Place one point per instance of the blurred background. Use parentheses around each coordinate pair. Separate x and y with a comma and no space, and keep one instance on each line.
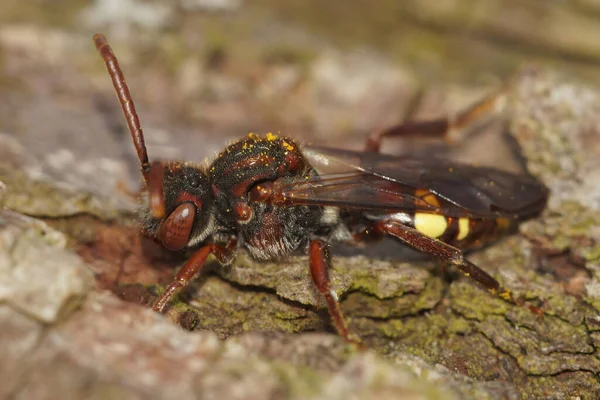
(204,72)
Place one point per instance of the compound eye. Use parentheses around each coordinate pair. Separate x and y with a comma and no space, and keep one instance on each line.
(174,232)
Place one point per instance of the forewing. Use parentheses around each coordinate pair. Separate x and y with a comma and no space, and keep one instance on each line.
(478,191)
(362,191)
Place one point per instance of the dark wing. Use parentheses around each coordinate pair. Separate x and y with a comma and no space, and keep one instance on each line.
(382,182)
(360,190)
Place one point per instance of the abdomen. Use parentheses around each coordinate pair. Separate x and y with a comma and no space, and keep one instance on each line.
(463,233)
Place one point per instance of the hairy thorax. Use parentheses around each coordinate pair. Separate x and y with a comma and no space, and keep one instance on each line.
(266,230)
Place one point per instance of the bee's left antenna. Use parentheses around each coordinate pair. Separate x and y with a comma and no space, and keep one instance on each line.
(118,80)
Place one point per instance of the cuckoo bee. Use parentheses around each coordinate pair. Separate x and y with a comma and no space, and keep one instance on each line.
(272,197)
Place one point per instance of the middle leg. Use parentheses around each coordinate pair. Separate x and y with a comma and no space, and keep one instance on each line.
(319,269)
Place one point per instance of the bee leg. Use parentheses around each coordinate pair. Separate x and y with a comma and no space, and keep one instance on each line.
(451,128)
(190,269)
(319,269)
(445,253)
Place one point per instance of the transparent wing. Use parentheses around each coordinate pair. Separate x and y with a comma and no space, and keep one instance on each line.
(377,181)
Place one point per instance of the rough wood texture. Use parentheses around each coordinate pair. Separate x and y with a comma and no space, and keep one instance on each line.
(75,275)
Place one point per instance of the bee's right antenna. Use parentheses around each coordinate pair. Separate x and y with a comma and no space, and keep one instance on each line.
(133,122)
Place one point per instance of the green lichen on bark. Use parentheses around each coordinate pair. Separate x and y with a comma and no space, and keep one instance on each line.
(401,309)
(42,199)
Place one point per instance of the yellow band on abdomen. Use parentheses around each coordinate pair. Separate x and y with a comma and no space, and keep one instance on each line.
(432,225)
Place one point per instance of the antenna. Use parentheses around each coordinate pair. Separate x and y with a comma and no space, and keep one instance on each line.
(118,80)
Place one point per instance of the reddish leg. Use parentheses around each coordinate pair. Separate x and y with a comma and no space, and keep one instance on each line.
(319,269)
(450,128)
(443,252)
(447,254)
(191,268)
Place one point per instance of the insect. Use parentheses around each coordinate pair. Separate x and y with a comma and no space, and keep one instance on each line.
(269,196)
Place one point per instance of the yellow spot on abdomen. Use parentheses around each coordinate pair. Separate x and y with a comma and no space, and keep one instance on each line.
(432,225)
(463,228)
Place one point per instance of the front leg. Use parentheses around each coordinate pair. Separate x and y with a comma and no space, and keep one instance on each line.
(191,268)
